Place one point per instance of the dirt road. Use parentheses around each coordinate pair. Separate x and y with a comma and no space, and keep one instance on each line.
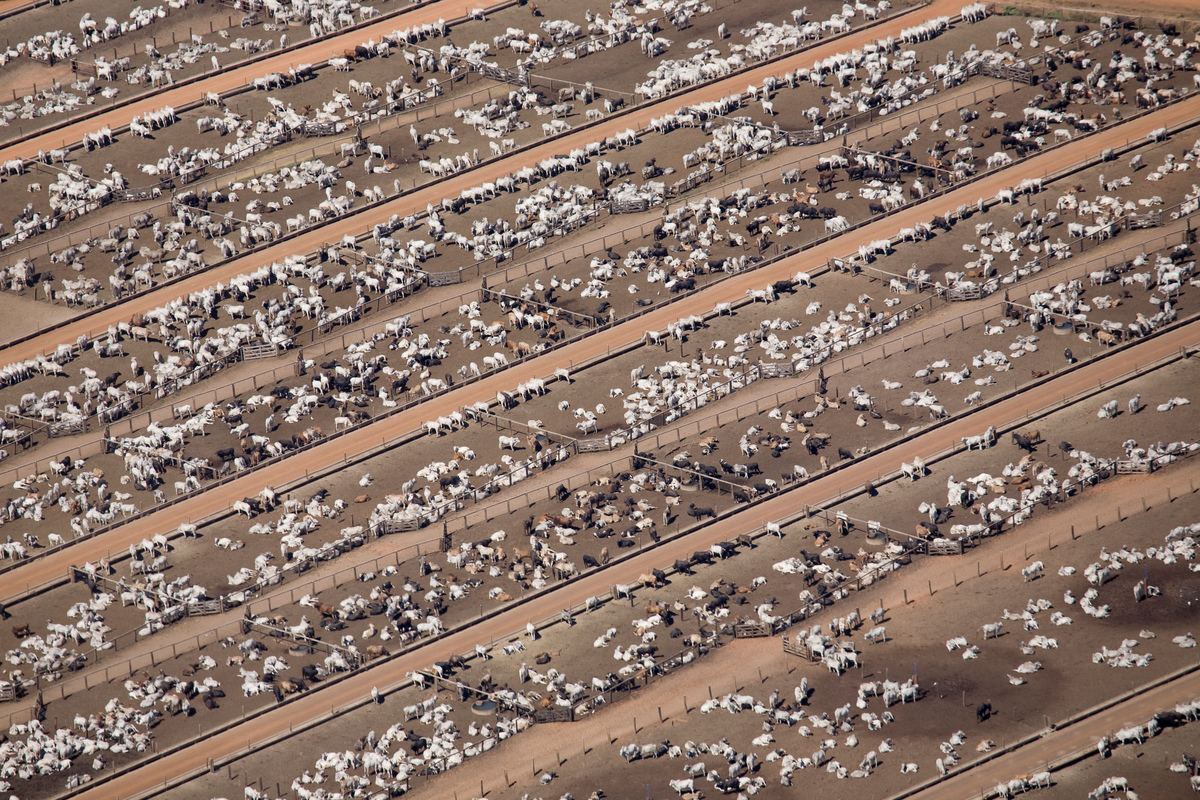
(416,202)
(1065,741)
(316,51)
(1073,152)
(737,659)
(357,688)
(54,566)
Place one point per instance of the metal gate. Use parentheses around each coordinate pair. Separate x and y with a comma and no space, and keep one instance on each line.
(443,278)
(253,351)
(391,526)
(84,68)
(503,75)
(203,608)
(68,428)
(1021,75)
(629,205)
(755,629)
(320,129)
(1150,220)
(792,647)
(960,294)
(944,547)
(782,369)
(797,138)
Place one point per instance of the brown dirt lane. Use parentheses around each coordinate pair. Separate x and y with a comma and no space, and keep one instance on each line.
(54,566)
(323,49)
(355,689)
(452,186)
(738,659)
(1073,152)
(316,51)
(1064,741)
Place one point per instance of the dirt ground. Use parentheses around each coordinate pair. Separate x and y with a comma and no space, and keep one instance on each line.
(944,677)
(459,360)
(209,565)
(125,157)
(914,636)
(1146,767)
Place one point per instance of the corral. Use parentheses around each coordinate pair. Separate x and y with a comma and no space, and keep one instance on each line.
(373,373)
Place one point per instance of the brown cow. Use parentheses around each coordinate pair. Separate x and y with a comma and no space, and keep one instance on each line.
(21,631)
(648,579)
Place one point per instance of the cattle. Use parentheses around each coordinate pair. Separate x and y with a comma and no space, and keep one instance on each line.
(701,512)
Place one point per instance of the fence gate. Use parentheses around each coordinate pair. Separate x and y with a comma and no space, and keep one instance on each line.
(755,629)
(69,428)
(781,369)
(320,129)
(84,68)
(1150,220)
(443,278)
(944,547)
(960,294)
(137,196)
(253,351)
(797,138)
(554,715)
(629,205)
(1021,75)
(591,445)
(1134,467)
(503,75)
(391,526)
(792,647)
(203,608)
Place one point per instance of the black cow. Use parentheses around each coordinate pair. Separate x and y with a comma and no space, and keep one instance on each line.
(1023,442)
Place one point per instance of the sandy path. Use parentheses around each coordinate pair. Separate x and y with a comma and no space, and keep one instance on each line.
(1074,152)
(452,186)
(314,52)
(325,48)
(54,566)
(356,688)
(732,667)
